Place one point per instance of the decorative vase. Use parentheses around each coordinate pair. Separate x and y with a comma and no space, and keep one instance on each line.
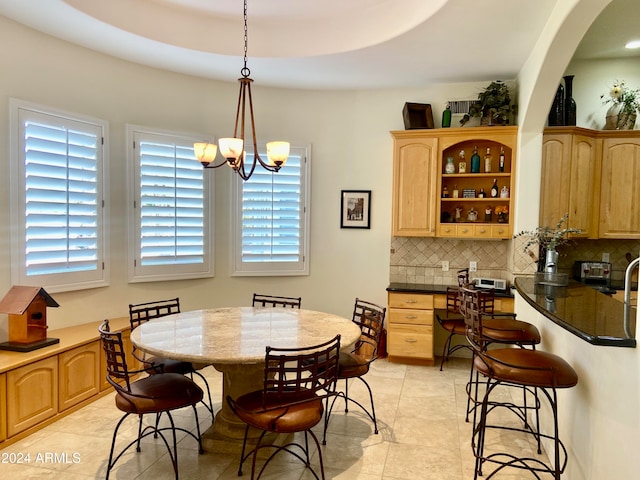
(551,261)
(569,102)
(556,114)
(611,122)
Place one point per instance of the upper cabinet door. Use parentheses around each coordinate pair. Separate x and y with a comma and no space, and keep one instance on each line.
(414,184)
(620,188)
(569,163)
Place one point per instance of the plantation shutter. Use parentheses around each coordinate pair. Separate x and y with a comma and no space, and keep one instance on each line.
(272,212)
(61,168)
(171,213)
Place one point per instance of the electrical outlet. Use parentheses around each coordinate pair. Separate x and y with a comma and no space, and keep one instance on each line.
(605,257)
(473,266)
(445,265)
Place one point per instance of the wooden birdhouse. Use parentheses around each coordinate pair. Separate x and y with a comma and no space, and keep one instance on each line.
(27,310)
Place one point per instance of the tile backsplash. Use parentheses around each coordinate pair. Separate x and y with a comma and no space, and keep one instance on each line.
(419,260)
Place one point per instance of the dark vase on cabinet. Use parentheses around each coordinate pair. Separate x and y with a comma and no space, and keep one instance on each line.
(569,102)
(556,114)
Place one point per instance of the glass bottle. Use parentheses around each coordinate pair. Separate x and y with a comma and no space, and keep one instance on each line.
(481,194)
(487,161)
(456,192)
(462,163)
(445,192)
(494,188)
(446,117)
(449,167)
(501,160)
(475,161)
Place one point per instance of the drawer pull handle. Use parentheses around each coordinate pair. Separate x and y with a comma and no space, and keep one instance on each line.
(411,316)
(411,340)
(412,301)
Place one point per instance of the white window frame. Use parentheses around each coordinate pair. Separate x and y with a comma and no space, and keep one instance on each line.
(299,268)
(137,272)
(19,111)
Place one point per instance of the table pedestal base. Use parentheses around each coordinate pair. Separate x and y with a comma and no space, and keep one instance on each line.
(227,432)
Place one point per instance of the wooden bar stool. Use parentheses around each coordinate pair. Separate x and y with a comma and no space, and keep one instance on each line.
(531,369)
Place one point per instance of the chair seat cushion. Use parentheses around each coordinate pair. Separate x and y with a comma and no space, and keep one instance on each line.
(287,419)
(351,365)
(170,366)
(526,367)
(156,393)
(456,326)
(509,330)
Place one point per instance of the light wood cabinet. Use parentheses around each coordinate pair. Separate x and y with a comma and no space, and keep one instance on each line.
(595,176)
(32,394)
(420,207)
(410,327)
(3,406)
(79,374)
(414,185)
(569,164)
(620,188)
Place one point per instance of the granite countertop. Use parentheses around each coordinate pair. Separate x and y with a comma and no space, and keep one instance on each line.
(437,289)
(584,311)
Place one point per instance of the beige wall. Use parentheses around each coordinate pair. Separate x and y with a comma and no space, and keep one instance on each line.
(351,149)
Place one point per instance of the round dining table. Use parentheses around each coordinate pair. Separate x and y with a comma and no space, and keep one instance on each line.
(234,340)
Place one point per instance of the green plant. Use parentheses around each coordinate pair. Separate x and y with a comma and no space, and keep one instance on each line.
(546,237)
(494,101)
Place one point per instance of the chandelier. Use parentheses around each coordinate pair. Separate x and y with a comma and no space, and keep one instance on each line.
(233,149)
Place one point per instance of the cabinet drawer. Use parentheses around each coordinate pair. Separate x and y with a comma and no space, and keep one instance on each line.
(410,300)
(500,231)
(464,231)
(482,231)
(447,230)
(410,341)
(409,316)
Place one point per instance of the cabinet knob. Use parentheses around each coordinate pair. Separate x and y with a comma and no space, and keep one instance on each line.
(464,230)
(482,230)
(447,230)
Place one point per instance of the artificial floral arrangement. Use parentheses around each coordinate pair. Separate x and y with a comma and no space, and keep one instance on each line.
(547,238)
(628,99)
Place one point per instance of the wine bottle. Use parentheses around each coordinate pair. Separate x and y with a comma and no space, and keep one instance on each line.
(446,117)
(455,191)
(475,161)
(494,188)
(445,192)
(501,160)
(481,193)
(487,161)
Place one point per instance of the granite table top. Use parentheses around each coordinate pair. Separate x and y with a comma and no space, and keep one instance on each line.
(239,335)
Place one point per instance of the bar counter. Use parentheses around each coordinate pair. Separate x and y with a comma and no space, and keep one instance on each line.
(582,310)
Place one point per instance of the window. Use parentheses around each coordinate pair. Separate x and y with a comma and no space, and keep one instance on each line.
(57,200)
(271,219)
(170,234)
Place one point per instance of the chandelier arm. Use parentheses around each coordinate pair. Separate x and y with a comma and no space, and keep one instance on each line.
(210,165)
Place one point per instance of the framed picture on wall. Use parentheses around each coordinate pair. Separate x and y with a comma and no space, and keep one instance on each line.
(355,209)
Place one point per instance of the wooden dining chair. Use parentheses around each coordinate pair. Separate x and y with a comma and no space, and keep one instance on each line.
(152,394)
(260,300)
(143,312)
(297,382)
(355,364)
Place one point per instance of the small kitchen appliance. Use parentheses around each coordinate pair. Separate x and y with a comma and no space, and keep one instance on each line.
(598,273)
(495,283)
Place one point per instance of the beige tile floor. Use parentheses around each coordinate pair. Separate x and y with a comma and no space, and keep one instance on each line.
(423,435)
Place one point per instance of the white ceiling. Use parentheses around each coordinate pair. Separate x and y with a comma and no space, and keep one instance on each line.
(319,44)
